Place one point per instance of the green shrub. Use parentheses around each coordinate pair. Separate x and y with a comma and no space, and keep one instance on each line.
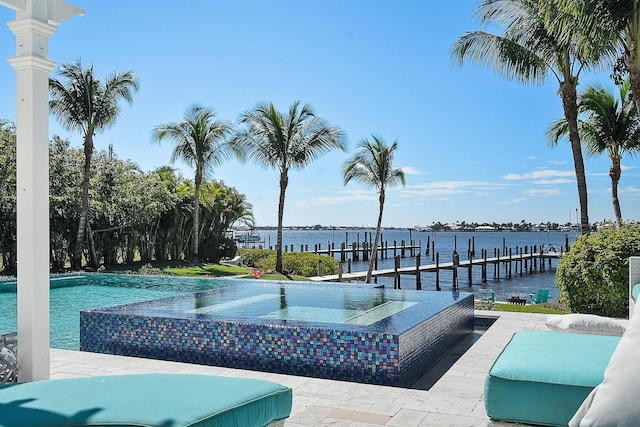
(295,263)
(594,276)
(215,248)
(254,257)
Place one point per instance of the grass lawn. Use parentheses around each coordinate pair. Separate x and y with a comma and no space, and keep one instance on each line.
(182,268)
(179,268)
(552,308)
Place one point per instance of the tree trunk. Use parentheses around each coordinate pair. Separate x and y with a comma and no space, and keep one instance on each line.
(196,214)
(633,67)
(92,249)
(634,83)
(374,250)
(614,173)
(284,181)
(569,97)
(84,209)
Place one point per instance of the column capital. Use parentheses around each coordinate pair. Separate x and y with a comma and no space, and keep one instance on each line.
(31,25)
(32,37)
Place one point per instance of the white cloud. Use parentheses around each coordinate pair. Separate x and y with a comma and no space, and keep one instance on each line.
(513,201)
(629,189)
(544,193)
(347,197)
(541,174)
(553,181)
(408,170)
(445,188)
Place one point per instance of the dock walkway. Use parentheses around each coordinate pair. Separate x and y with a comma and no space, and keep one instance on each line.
(526,261)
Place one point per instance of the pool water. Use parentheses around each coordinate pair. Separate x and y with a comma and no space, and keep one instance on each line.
(71,294)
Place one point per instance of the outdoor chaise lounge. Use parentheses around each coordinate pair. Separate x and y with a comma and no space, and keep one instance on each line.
(582,379)
(156,400)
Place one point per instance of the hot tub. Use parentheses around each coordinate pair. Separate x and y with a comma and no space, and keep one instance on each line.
(336,331)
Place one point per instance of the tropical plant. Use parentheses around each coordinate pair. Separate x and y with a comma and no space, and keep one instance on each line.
(65,199)
(285,142)
(8,195)
(531,49)
(84,103)
(223,206)
(594,275)
(298,263)
(611,125)
(372,166)
(201,141)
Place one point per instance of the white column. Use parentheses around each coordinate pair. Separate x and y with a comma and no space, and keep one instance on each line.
(33,30)
(32,114)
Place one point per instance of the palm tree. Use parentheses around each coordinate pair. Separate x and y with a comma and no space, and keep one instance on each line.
(84,103)
(616,22)
(611,125)
(529,51)
(285,142)
(372,166)
(201,142)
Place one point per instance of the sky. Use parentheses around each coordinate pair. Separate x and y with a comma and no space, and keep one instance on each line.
(472,144)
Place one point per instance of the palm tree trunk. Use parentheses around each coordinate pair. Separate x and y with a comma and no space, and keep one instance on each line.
(614,173)
(284,181)
(92,249)
(633,67)
(374,249)
(84,209)
(634,83)
(196,214)
(569,97)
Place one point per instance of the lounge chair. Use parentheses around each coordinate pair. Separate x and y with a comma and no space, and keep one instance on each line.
(541,297)
(583,378)
(158,400)
(487,295)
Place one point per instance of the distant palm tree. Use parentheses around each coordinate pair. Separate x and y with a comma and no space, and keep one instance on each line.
(372,166)
(201,141)
(83,103)
(285,142)
(611,125)
(530,49)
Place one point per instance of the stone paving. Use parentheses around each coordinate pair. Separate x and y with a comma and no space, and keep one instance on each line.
(456,399)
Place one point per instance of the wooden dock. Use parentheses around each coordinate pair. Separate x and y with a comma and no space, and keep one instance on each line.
(522,261)
(357,251)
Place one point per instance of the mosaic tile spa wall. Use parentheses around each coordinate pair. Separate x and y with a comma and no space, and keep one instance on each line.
(334,351)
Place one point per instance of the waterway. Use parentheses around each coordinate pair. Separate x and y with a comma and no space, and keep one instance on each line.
(444,243)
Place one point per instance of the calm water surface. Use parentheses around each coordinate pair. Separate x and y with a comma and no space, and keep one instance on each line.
(444,243)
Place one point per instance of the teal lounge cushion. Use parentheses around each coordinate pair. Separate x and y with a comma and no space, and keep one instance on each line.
(145,400)
(542,377)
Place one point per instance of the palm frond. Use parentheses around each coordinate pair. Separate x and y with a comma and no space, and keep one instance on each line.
(200,139)
(372,165)
(285,141)
(84,103)
(504,57)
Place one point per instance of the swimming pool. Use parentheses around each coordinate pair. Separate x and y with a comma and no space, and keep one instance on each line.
(73,293)
(347,332)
